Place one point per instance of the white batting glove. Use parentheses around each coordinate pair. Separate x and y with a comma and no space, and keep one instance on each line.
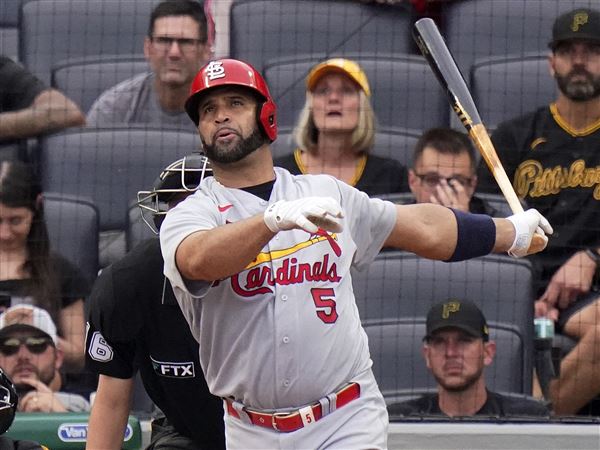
(526,224)
(307,213)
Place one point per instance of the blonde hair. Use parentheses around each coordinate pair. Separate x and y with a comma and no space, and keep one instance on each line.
(306,133)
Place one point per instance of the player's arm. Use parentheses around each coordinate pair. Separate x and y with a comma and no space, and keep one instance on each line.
(223,251)
(50,111)
(432,231)
(110,411)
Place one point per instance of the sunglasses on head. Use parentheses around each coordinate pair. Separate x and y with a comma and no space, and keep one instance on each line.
(36,345)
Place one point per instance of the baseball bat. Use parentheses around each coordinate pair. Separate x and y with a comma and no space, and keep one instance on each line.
(442,63)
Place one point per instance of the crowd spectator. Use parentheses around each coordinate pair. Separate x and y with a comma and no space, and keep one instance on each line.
(29,272)
(336,131)
(552,156)
(29,108)
(176,47)
(457,349)
(443,171)
(135,323)
(30,355)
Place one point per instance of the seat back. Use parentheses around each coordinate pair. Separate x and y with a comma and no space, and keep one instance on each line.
(73,230)
(405,93)
(261,30)
(9,32)
(400,369)
(399,284)
(507,87)
(84,79)
(483,28)
(110,165)
(52,31)
(137,230)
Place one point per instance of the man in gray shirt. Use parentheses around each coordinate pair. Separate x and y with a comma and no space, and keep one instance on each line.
(176,47)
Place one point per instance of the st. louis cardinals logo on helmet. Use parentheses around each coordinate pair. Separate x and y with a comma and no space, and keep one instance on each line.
(180,177)
(231,72)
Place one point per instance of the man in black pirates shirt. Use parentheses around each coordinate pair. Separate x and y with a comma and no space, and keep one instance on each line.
(552,155)
(135,323)
(457,348)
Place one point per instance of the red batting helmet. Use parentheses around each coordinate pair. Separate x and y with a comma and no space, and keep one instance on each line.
(226,72)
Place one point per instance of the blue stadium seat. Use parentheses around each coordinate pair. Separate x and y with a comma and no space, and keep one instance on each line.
(84,79)
(398,365)
(483,28)
(109,166)
(73,229)
(261,30)
(403,285)
(52,31)
(9,32)
(405,92)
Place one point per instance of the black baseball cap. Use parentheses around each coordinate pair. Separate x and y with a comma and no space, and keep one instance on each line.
(581,23)
(461,314)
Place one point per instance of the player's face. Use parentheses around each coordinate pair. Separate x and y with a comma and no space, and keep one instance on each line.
(433,168)
(174,51)
(35,358)
(336,103)
(457,359)
(576,67)
(227,125)
(15,224)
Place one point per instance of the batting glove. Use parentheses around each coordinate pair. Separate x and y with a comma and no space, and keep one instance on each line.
(526,225)
(309,214)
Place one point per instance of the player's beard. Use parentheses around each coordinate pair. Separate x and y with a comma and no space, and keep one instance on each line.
(579,91)
(225,155)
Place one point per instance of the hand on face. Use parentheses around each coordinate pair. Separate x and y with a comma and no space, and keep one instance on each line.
(451,194)
(41,399)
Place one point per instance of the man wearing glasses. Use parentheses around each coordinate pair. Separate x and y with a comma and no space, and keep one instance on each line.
(443,172)
(30,357)
(176,47)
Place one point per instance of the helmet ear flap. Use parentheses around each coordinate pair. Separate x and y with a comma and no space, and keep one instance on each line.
(268,120)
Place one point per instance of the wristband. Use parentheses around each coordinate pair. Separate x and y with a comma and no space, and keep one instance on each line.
(593,253)
(476,235)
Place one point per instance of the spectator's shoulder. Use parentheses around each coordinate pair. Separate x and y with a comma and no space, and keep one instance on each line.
(517,405)
(414,407)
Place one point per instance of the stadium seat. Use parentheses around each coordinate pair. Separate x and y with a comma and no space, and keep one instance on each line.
(9,32)
(405,92)
(261,30)
(483,28)
(137,230)
(507,87)
(399,285)
(73,229)
(398,365)
(52,31)
(110,166)
(284,143)
(84,79)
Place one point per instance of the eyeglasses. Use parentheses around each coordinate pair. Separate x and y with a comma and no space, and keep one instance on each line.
(36,345)
(433,179)
(165,42)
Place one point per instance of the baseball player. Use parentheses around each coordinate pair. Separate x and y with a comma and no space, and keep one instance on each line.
(260,263)
(553,157)
(135,322)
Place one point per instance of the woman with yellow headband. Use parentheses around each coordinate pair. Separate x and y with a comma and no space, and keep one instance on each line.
(336,131)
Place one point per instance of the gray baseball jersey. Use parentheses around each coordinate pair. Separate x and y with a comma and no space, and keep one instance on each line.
(285,331)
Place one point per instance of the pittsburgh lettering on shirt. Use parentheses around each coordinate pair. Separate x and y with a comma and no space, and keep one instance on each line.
(174,369)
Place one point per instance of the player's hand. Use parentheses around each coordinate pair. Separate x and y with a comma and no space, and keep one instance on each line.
(571,280)
(527,224)
(309,214)
(451,195)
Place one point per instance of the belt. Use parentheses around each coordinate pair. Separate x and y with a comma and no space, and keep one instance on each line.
(294,420)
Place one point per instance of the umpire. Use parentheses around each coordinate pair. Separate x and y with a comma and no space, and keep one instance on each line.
(134,324)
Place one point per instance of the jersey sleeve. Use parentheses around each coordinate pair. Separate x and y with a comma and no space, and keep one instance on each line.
(112,329)
(190,216)
(370,222)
